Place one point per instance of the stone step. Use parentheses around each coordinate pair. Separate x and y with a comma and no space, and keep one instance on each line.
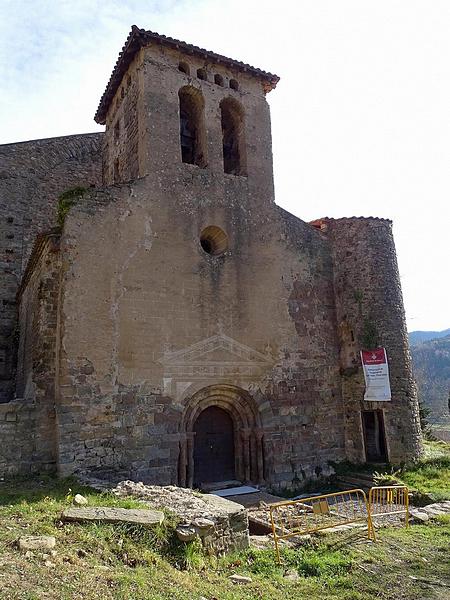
(368,482)
(207,488)
(351,483)
(106,514)
(362,476)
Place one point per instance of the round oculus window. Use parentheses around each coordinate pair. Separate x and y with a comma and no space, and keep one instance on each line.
(214,240)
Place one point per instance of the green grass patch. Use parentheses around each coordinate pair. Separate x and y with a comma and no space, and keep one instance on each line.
(430,475)
(106,561)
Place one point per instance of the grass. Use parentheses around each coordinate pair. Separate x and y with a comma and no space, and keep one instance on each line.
(430,476)
(103,562)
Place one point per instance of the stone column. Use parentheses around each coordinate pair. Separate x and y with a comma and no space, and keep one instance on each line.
(260,455)
(182,467)
(190,459)
(246,454)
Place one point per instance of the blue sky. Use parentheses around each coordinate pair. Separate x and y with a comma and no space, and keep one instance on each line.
(360,117)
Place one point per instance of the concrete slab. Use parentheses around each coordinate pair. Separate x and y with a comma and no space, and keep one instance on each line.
(255,499)
(236,491)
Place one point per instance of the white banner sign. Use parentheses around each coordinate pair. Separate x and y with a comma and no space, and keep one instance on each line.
(376,374)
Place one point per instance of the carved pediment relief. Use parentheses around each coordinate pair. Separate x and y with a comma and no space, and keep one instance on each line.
(214,351)
(215,358)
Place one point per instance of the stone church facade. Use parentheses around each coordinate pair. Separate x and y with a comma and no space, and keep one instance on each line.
(178,326)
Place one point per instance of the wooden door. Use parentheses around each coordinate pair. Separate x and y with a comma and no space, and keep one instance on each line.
(213,447)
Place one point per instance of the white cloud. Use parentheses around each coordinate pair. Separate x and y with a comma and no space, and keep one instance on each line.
(360,116)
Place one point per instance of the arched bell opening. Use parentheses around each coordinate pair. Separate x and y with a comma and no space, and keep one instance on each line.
(225,419)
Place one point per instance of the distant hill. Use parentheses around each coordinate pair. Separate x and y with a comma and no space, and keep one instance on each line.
(431,364)
(417,337)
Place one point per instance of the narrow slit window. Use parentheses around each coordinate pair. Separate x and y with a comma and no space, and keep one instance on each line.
(218,79)
(192,127)
(234,85)
(201,74)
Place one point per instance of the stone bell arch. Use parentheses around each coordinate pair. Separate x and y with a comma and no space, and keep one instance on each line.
(248,434)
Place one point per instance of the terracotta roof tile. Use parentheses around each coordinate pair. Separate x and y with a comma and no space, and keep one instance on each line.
(323,221)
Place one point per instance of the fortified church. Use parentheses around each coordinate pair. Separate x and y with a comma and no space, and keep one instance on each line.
(163,319)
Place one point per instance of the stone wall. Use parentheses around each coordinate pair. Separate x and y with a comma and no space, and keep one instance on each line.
(122,141)
(32,175)
(27,424)
(138,289)
(38,318)
(369,297)
(131,326)
(27,434)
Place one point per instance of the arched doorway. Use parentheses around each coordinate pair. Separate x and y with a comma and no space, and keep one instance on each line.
(235,416)
(214,447)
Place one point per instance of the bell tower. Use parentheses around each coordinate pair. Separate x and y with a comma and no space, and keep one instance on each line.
(175,111)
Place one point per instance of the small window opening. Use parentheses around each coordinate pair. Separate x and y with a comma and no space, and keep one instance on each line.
(192,127)
(234,85)
(201,74)
(214,240)
(233,138)
(122,92)
(218,79)
(184,68)
(128,80)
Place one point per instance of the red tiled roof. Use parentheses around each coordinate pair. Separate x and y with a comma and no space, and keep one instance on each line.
(320,223)
(138,38)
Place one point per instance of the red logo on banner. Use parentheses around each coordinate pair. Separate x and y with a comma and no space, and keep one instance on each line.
(373,357)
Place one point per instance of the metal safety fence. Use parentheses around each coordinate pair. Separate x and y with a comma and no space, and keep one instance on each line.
(296,518)
(389,501)
(306,516)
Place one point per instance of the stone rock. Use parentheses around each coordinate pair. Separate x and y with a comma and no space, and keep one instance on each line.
(261,542)
(114,515)
(222,525)
(292,575)
(186,533)
(431,511)
(80,500)
(49,563)
(37,542)
(418,516)
(240,579)
(203,525)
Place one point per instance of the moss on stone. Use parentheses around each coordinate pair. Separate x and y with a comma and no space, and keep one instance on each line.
(65,202)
